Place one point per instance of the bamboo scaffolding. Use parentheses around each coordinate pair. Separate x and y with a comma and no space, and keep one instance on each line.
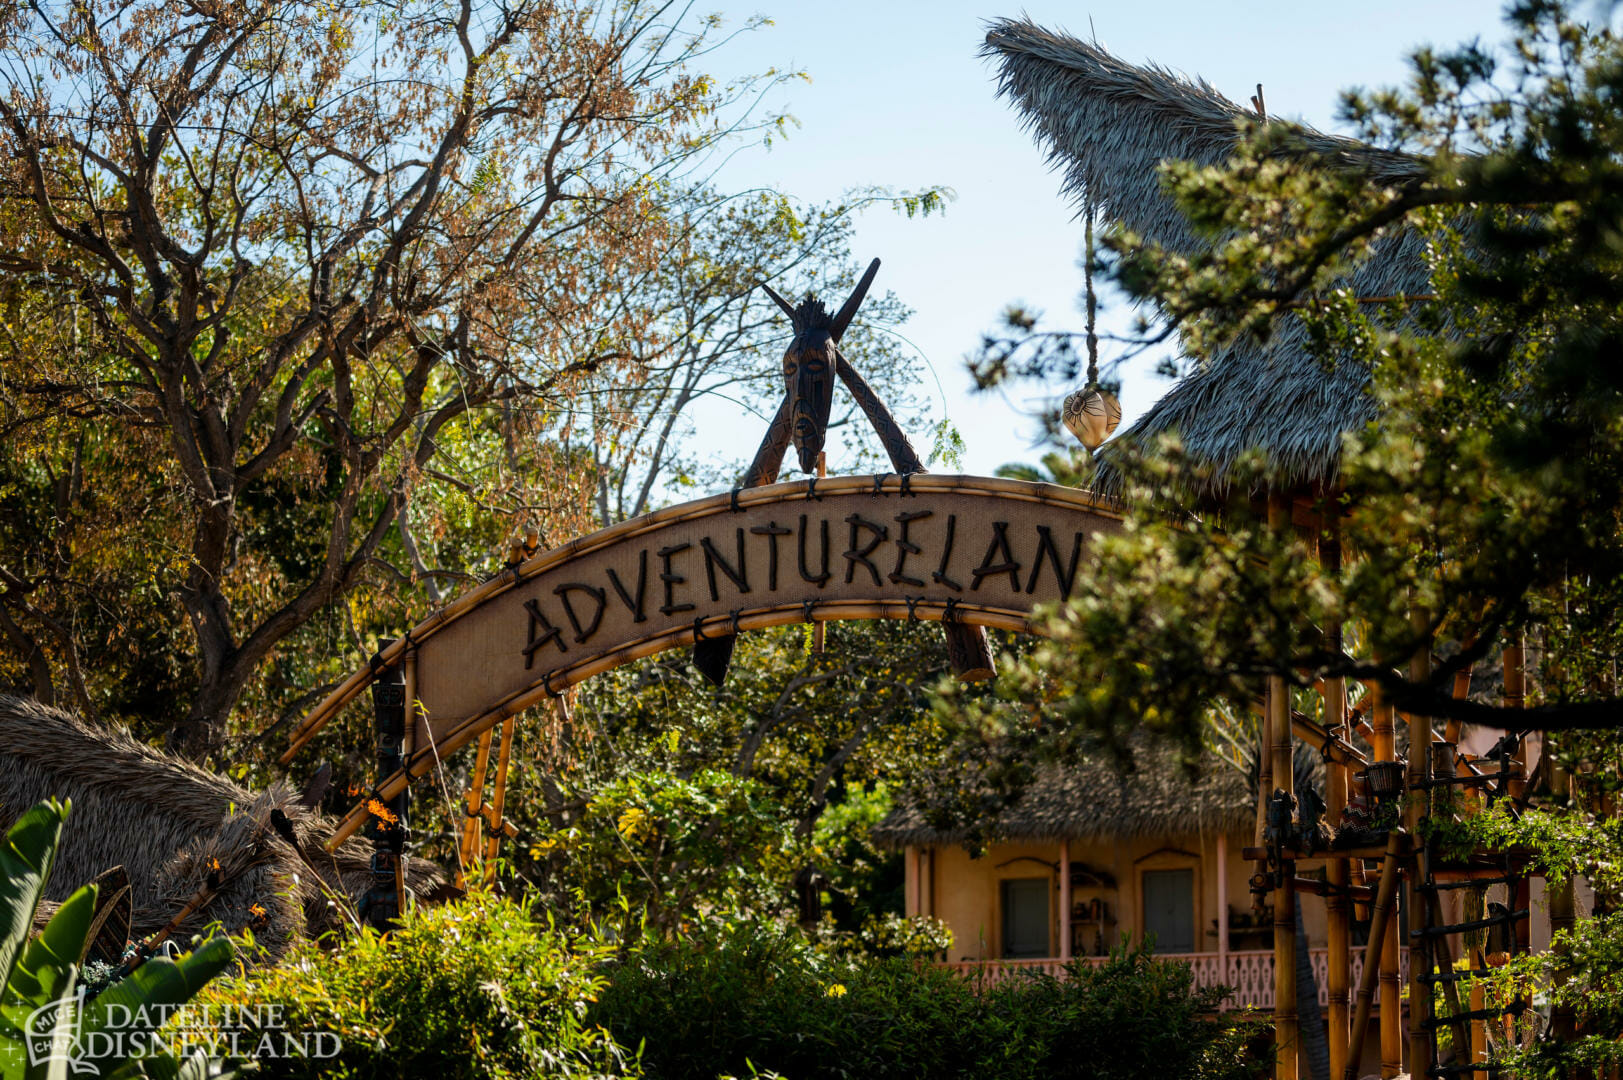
(1380,943)
(1286,1034)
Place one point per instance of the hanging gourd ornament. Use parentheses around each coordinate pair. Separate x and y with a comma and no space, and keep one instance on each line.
(1092,412)
(1092,415)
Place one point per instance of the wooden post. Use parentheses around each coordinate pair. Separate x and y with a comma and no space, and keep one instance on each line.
(1223,907)
(1416,802)
(1383,745)
(1375,957)
(910,880)
(1479,1032)
(493,819)
(1337,915)
(1286,1040)
(1563,914)
(927,882)
(1514,660)
(408,748)
(382,904)
(1065,900)
(820,630)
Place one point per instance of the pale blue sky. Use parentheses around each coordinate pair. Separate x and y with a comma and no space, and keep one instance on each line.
(900,97)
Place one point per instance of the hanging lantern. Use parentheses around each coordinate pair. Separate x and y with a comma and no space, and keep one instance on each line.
(1092,415)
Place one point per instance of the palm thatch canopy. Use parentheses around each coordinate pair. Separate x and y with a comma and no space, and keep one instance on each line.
(1107,126)
(171,825)
(1097,800)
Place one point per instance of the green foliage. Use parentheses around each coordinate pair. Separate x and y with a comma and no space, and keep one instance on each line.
(1560,842)
(471,989)
(1582,972)
(112,1035)
(802,747)
(749,998)
(669,849)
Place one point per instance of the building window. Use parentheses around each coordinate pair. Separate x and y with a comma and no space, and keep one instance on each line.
(1169,909)
(1025,917)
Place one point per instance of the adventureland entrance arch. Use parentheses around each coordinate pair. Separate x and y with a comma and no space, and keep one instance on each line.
(969,552)
(964,550)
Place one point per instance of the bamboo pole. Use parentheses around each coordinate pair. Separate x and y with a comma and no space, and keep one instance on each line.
(1415,807)
(1286,1035)
(498,799)
(1338,923)
(1375,958)
(1479,1031)
(475,813)
(1383,745)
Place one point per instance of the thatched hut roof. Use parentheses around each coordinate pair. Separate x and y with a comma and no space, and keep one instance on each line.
(1107,125)
(170,823)
(1098,800)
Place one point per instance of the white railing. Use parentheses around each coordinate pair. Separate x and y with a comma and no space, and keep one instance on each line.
(1250,972)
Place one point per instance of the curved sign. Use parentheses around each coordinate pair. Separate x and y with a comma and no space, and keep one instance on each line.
(925,546)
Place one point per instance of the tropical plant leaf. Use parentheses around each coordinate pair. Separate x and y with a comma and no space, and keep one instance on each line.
(49,965)
(137,1005)
(25,865)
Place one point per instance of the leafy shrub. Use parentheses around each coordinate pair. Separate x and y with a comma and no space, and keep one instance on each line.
(748,999)
(465,991)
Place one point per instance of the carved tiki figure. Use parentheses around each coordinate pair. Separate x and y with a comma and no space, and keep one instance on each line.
(811,365)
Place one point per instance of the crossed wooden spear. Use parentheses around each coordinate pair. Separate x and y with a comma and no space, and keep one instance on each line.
(810,366)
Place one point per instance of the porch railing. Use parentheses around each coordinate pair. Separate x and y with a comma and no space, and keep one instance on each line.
(1250,972)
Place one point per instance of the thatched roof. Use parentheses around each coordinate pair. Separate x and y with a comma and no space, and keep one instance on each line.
(1098,800)
(169,823)
(1107,125)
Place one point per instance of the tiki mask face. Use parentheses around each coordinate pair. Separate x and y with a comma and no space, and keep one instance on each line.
(810,366)
(808,376)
